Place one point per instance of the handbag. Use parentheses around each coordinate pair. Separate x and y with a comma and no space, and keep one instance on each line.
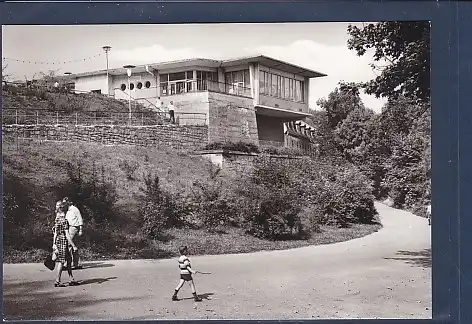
(49,262)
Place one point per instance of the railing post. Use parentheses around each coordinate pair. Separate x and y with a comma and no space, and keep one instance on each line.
(76,119)
(142,119)
(16,116)
(57,117)
(37,117)
(95,118)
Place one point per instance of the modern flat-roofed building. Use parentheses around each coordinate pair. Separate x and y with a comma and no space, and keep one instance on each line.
(254,99)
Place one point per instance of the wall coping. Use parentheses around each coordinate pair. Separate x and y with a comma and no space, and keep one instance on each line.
(105,125)
(219,151)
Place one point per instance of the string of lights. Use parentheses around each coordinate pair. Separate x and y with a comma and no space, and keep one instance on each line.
(53,63)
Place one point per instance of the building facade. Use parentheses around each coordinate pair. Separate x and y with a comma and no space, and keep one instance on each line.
(255,99)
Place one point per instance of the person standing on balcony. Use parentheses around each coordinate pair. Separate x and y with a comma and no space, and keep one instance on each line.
(171,112)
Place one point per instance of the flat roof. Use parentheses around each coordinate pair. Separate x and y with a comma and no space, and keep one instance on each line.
(210,63)
(275,64)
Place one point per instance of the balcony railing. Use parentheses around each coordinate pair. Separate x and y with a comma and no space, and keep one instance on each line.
(185,86)
(46,117)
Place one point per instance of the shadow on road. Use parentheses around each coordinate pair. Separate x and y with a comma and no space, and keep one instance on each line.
(95,280)
(204,296)
(414,258)
(89,265)
(40,300)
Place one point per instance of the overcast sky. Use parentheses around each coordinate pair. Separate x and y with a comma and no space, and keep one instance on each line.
(318,46)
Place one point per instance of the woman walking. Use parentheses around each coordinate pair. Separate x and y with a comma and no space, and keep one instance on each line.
(61,245)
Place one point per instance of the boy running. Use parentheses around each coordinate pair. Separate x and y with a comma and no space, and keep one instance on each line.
(185,274)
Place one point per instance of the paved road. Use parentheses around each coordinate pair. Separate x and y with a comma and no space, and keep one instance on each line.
(383,275)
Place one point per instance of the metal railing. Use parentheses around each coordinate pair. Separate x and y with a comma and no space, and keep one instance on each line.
(46,117)
(187,86)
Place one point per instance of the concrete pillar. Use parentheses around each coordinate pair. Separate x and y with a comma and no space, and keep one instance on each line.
(306,93)
(157,78)
(194,82)
(258,82)
(251,79)
(109,87)
(221,79)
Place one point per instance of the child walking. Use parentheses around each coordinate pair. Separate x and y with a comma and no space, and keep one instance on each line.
(185,274)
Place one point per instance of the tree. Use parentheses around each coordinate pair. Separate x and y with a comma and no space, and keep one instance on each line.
(340,103)
(4,70)
(397,138)
(323,133)
(351,135)
(405,47)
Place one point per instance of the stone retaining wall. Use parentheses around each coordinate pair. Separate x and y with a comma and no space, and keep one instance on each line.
(177,137)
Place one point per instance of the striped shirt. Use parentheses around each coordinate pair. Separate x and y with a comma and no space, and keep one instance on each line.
(184,264)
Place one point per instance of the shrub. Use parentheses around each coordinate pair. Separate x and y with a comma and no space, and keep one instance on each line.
(230,146)
(281,151)
(98,237)
(348,198)
(212,202)
(17,202)
(334,191)
(129,168)
(272,201)
(94,194)
(158,209)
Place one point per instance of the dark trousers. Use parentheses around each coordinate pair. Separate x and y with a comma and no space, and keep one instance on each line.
(172,118)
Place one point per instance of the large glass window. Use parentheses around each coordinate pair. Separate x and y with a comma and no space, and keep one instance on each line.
(287,88)
(273,90)
(238,82)
(179,82)
(281,87)
(298,91)
(262,82)
(207,80)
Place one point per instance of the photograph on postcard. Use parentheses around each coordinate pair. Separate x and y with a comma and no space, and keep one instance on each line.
(217,171)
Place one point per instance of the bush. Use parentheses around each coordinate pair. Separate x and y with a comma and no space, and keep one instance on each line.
(129,168)
(272,201)
(94,194)
(347,199)
(158,209)
(212,202)
(17,202)
(334,191)
(281,151)
(229,146)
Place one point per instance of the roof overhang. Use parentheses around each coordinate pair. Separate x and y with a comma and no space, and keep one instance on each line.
(209,63)
(274,64)
(287,115)
(198,62)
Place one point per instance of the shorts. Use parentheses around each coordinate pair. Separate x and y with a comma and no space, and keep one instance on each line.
(186,277)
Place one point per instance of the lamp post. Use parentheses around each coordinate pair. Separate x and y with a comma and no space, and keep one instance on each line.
(128,71)
(67,80)
(107,49)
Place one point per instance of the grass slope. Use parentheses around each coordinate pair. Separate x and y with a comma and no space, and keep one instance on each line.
(41,168)
(30,99)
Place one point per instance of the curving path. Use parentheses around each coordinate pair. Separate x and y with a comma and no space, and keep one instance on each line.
(383,275)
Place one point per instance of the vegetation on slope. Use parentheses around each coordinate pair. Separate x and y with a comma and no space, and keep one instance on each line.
(144,202)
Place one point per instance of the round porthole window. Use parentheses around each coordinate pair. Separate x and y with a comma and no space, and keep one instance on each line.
(139,85)
(131,86)
(147,84)
(123,87)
